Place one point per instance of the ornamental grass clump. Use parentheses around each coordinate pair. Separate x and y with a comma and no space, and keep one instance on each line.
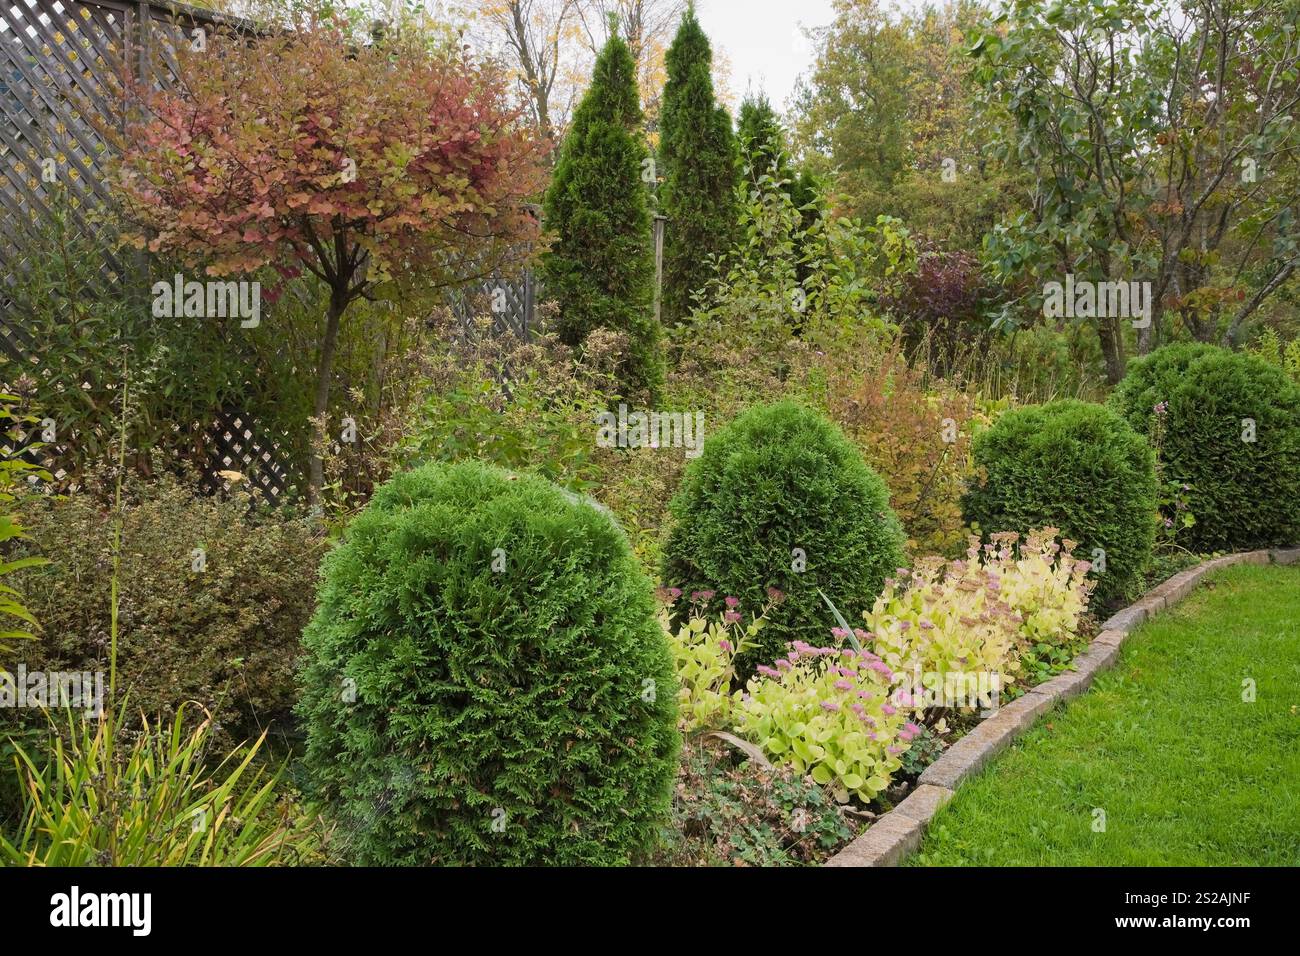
(830,712)
(105,794)
(486,680)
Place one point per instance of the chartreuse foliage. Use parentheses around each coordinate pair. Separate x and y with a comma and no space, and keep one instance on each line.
(1229,427)
(1074,466)
(704,654)
(944,637)
(828,712)
(486,680)
(600,268)
(1011,609)
(780,498)
(953,637)
(697,152)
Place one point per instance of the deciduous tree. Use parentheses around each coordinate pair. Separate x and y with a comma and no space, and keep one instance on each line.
(363,163)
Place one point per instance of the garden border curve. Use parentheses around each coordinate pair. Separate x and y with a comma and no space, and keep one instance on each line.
(897,833)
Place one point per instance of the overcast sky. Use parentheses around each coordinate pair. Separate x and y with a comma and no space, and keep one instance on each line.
(763,40)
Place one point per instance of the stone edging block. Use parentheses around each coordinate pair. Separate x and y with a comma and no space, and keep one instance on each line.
(899,832)
(888,840)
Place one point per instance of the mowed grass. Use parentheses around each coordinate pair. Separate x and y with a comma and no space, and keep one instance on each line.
(1188,773)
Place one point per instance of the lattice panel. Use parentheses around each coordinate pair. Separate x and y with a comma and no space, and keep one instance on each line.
(509,301)
(60,62)
(233,445)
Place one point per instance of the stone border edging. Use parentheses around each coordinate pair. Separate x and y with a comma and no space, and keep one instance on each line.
(897,833)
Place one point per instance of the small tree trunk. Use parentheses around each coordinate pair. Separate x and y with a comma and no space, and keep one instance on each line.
(320,407)
(1112,348)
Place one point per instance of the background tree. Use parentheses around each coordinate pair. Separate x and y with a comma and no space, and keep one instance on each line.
(887,111)
(1162,145)
(541,38)
(600,268)
(646,26)
(363,165)
(697,153)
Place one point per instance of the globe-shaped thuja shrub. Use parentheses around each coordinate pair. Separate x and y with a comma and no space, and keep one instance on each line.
(1227,428)
(781,499)
(486,680)
(1075,466)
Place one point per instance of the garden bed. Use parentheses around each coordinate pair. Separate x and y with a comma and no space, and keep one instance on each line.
(898,833)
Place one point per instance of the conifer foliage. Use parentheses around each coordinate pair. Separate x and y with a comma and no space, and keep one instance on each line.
(698,159)
(600,268)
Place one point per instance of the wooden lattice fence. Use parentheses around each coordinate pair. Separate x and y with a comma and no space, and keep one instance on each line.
(61,58)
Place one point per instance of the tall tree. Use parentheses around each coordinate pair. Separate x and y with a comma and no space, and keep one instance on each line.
(646,25)
(697,153)
(600,268)
(886,111)
(541,40)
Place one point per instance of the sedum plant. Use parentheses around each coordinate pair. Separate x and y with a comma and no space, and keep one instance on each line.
(996,614)
(704,655)
(829,712)
(941,624)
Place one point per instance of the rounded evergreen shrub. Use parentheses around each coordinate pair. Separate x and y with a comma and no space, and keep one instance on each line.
(780,498)
(1077,467)
(486,682)
(1227,425)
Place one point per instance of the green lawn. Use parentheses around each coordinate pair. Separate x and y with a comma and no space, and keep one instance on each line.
(1187,773)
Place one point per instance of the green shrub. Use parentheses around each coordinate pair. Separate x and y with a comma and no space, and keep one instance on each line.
(458,714)
(780,498)
(226,637)
(1074,466)
(1196,400)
